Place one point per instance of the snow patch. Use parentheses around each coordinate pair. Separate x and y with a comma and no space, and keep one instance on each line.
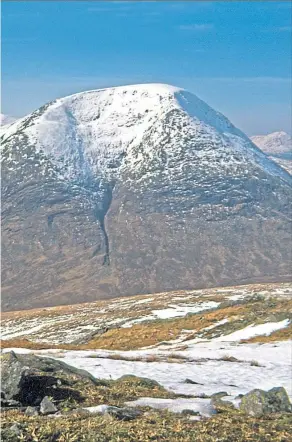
(182,310)
(202,406)
(254,330)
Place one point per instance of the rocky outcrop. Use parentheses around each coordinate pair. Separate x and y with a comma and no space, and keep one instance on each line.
(26,380)
(258,402)
(36,386)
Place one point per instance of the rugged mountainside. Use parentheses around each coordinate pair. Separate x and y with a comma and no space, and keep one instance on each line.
(136,189)
(278,145)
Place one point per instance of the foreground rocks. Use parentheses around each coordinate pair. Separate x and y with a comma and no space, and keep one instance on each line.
(259,402)
(47,406)
(40,386)
(43,399)
(27,379)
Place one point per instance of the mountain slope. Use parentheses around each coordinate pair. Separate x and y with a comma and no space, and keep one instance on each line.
(136,189)
(278,145)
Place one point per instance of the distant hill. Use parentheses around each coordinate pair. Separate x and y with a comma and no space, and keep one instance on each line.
(6,119)
(278,145)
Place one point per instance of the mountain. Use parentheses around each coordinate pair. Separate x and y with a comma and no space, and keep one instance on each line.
(274,143)
(136,189)
(278,145)
(6,119)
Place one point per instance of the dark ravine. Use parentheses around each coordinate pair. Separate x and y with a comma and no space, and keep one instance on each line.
(106,202)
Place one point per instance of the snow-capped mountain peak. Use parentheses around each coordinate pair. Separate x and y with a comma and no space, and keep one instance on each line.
(92,134)
(6,120)
(274,143)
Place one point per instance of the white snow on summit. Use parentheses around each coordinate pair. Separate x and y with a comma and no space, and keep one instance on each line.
(6,120)
(274,143)
(96,133)
(278,146)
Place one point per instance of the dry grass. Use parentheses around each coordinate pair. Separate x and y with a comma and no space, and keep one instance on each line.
(118,357)
(145,335)
(158,331)
(228,426)
(25,343)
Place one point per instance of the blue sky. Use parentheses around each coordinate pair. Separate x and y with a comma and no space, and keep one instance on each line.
(233,55)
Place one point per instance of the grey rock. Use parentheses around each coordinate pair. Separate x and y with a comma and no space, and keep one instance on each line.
(47,406)
(190,381)
(124,414)
(18,373)
(31,411)
(202,395)
(259,402)
(27,379)
(10,403)
(219,395)
(220,405)
(11,374)
(188,412)
(15,429)
(11,434)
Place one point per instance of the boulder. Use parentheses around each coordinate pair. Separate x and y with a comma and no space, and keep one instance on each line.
(47,406)
(31,411)
(221,406)
(12,433)
(27,379)
(190,381)
(16,429)
(219,395)
(11,374)
(259,402)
